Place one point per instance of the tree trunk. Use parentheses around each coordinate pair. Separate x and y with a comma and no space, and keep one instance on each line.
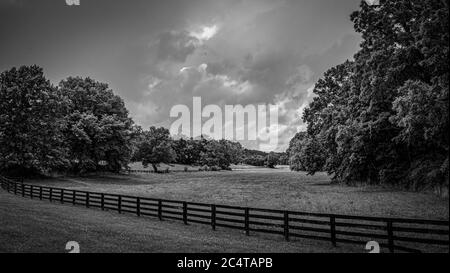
(155,168)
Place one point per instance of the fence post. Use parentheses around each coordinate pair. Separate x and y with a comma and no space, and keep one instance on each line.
(246,221)
(138,206)
(390,236)
(333,229)
(185,216)
(286,226)
(74,197)
(87,199)
(213,217)
(119,204)
(23,190)
(32,191)
(103,201)
(160,210)
(62,196)
(40,193)
(51,194)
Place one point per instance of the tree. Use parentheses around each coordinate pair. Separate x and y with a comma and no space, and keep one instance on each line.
(30,122)
(404,42)
(254,157)
(99,130)
(271,160)
(283,159)
(326,116)
(234,151)
(306,154)
(155,148)
(384,117)
(215,154)
(181,150)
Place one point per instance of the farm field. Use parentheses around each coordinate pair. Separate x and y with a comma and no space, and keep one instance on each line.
(265,188)
(36,226)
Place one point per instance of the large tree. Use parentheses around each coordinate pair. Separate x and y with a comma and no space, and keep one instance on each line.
(384,117)
(99,130)
(155,148)
(30,122)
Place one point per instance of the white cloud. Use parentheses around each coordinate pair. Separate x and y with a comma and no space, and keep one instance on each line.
(254,54)
(205,33)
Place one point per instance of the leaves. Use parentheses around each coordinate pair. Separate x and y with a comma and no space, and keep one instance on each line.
(31,115)
(375,118)
(98,127)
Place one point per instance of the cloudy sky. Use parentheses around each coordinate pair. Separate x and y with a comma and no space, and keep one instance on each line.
(156,54)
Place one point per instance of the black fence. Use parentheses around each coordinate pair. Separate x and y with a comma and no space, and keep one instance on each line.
(394,234)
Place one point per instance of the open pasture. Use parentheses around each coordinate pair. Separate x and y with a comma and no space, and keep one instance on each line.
(265,188)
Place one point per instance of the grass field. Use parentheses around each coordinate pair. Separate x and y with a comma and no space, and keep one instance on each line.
(36,226)
(266,188)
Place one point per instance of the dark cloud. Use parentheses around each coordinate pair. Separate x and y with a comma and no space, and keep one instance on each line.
(175,46)
(157,54)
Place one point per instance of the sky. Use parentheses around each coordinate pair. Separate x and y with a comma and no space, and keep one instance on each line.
(157,54)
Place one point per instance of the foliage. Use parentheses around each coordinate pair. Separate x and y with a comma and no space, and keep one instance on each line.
(99,131)
(379,118)
(283,159)
(271,160)
(30,123)
(155,148)
(255,160)
(220,153)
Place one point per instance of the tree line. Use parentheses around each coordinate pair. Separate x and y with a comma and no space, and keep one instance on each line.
(78,126)
(81,126)
(156,146)
(383,117)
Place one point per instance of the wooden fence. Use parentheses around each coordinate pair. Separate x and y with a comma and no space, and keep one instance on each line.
(394,234)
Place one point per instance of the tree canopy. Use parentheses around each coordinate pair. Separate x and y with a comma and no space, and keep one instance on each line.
(155,148)
(31,122)
(383,118)
(98,129)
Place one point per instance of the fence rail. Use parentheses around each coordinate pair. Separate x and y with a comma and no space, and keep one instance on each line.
(394,234)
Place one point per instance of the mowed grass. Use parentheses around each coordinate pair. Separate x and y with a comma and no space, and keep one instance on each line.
(266,188)
(38,226)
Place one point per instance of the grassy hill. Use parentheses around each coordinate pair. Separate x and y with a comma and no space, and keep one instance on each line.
(37,226)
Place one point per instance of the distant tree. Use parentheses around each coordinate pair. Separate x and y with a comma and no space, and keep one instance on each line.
(30,122)
(99,130)
(271,160)
(254,157)
(180,148)
(155,148)
(283,159)
(234,151)
(215,154)
(255,160)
